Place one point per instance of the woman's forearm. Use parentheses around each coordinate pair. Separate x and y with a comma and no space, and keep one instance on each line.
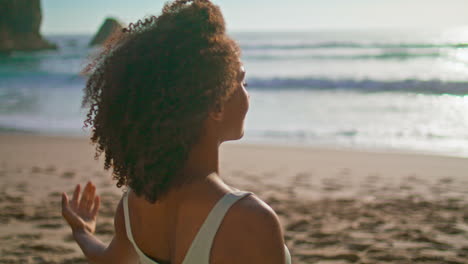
(93,248)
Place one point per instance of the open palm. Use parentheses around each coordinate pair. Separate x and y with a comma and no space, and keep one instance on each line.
(81,213)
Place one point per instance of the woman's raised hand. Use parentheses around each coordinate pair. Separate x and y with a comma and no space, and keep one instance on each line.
(81,213)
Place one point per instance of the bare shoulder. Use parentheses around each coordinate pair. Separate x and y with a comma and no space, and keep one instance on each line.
(119,220)
(255,209)
(250,233)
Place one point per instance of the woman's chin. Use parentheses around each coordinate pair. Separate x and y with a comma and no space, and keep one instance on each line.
(239,136)
(242,134)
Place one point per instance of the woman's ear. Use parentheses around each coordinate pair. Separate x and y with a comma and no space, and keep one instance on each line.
(218,112)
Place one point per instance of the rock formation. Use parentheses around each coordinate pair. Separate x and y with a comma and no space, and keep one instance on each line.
(107,29)
(20,21)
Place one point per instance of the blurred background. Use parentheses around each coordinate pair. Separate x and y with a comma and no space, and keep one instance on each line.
(374,75)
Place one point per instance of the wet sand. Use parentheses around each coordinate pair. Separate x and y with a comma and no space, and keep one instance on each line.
(336,206)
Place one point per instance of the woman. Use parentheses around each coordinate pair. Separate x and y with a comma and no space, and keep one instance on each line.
(163,97)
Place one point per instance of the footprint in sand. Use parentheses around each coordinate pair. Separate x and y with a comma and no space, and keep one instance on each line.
(332,187)
(10,212)
(272,200)
(413,178)
(33,249)
(50,226)
(405,187)
(298,226)
(55,194)
(11,198)
(22,236)
(373,177)
(325,243)
(33,236)
(430,258)
(359,246)
(323,239)
(22,187)
(50,249)
(107,208)
(465,218)
(446,180)
(36,169)
(50,169)
(76,260)
(463,252)
(68,174)
(387,257)
(299,242)
(105,228)
(335,257)
(449,229)
(302,179)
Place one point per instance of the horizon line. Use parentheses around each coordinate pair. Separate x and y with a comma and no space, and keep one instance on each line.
(292,30)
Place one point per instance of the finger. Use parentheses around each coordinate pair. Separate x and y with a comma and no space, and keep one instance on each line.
(66,212)
(97,204)
(90,200)
(85,197)
(64,201)
(76,195)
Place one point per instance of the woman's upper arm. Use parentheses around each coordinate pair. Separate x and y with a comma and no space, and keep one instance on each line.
(121,250)
(258,234)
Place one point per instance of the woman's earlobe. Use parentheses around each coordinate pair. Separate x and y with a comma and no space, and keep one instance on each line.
(217,113)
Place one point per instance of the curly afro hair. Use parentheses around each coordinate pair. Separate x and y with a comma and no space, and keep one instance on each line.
(150,90)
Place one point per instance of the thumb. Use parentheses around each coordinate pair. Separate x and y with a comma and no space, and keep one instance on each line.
(65,206)
(73,220)
(64,201)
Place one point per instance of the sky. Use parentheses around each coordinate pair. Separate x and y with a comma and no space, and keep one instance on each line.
(85,16)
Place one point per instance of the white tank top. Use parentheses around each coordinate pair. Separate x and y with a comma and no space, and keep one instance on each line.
(199,251)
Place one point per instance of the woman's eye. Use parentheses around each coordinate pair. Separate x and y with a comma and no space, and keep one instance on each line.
(245,84)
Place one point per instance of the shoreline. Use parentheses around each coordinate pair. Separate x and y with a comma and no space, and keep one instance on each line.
(266,143)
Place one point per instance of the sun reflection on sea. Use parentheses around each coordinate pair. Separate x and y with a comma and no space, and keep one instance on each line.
(454,44)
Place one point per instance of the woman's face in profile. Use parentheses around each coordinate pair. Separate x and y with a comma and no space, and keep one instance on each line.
(235,110)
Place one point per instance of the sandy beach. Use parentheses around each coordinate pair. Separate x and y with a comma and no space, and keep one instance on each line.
(336,206)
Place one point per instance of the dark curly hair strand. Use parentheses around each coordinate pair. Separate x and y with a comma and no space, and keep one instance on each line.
(152,87)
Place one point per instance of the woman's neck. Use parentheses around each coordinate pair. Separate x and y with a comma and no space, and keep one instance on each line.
(203,160)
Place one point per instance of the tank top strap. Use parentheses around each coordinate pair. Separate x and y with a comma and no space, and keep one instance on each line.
(127,217)
(199,251)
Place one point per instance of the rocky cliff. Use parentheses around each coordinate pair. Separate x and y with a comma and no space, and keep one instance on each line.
(107,29)
(20,21)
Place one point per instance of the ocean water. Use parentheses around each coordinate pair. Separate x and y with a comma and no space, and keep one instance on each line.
(374,90)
